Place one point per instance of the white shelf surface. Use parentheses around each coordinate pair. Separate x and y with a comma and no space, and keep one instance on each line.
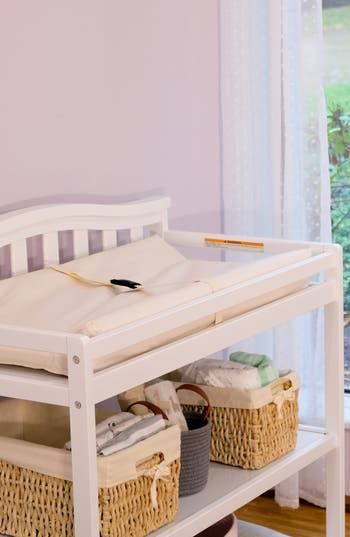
(229,487)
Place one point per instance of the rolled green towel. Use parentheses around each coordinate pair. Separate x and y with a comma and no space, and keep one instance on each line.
(267,370)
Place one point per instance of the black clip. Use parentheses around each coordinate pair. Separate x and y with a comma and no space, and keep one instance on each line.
(126,283)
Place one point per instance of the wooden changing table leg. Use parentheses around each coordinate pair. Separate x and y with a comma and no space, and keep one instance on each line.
(83,437)
(334,357)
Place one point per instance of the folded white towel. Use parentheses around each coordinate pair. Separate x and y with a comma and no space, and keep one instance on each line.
(163,394)
(222,374)
(137,432)
(116,428)
(111,426)
(113,421)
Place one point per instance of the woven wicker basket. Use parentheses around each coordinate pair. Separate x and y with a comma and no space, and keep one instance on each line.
(250,428)
(35,504)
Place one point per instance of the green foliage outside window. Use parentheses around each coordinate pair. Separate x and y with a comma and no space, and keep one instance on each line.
(339,156)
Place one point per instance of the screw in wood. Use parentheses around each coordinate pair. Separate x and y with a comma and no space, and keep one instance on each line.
(76,359)
(77,405)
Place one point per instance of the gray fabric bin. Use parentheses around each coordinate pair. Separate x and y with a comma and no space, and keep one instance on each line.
(195,443)
(195,451)
(195,448)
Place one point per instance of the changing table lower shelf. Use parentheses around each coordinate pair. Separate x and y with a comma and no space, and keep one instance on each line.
(230,488)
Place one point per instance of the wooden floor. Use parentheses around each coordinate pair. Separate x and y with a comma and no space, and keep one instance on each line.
(307,521)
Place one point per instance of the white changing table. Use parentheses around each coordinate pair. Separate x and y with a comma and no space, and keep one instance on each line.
(228,488)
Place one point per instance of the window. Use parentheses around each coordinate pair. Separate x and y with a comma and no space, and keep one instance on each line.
(336,22)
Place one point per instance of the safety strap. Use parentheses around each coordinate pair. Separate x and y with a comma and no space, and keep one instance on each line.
(83,279)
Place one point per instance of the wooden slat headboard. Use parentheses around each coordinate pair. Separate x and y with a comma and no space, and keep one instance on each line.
(48,221)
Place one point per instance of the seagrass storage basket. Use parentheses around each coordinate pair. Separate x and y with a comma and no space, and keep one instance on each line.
(35,477)
(250,428)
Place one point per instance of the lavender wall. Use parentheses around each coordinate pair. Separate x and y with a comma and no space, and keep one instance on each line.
(102,99)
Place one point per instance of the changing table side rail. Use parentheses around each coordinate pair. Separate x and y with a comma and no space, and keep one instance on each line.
(35,339)
(160,361)
(239,242)
(36,385)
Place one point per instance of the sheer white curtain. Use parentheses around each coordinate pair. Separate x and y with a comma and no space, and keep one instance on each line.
(275,168)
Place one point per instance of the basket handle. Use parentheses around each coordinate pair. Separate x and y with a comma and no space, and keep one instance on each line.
(196,389)
(281,384)
(151,406)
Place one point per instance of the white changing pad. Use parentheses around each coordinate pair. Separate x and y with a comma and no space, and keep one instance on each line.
(46,299)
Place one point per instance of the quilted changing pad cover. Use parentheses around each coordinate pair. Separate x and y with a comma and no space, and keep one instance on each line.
(47,299)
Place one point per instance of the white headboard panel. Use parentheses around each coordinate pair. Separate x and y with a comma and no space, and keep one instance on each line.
(18,226)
